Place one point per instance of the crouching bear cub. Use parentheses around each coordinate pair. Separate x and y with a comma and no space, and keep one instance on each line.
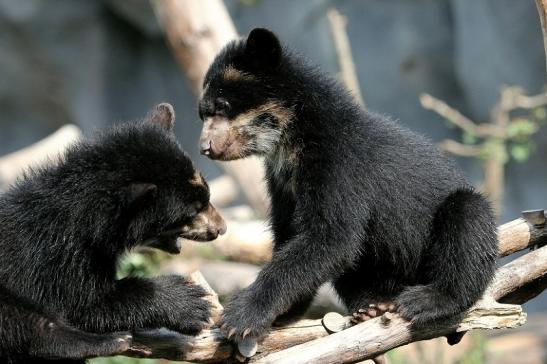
(357,199)
(64,227)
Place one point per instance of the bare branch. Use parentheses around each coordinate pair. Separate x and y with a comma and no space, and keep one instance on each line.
(376,336)
(13,164)
(530,102)
(460,149)
(542,10)
(244,241)
(197,31)
(519,234)
(224,191)
(251,241)
(450,114)
(348,73)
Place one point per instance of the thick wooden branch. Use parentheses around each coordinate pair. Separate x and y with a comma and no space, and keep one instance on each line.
(520,234)
(374,337)
(244,241)
(251,241)
(196,32)
(308,341)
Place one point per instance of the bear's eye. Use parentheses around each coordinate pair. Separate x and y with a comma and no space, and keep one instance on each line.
(198,206)
(222,106)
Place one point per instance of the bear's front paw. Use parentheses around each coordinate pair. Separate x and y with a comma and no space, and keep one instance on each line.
(244,318)
(185,305)
(196,310)
(116,343)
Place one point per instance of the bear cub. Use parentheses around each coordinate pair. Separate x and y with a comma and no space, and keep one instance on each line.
(64,227)
(357,199)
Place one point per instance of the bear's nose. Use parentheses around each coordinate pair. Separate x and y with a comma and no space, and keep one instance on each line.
(205,147)
(222,228)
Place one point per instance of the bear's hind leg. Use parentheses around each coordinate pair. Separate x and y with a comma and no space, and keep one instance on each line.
(459,263)
(372,310)
(371,297)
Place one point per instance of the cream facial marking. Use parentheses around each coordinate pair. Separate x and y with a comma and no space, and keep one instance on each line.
(232,74)
(197,180)
(282,114)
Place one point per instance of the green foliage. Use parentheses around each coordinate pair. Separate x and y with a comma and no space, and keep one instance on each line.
(494,149)
(469,138)
(521,129)
(142,263)
(522,152)
(520,132)
(395,357)
(476,354)
(516,144)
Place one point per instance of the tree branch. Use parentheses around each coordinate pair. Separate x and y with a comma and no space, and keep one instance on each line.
(374,337)
(460,149)
(196,32)
(13,164)
(542,10)
(450,114)
(250,241)
(348,73)
(308,341)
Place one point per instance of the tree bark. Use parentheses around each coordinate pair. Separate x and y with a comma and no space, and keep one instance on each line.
(251,241)
(308,341)
(196,32)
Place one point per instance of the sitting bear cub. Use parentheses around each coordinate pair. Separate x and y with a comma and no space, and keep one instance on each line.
(64,227)
(357,199)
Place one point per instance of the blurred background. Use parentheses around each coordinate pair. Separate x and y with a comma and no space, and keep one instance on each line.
(90,64)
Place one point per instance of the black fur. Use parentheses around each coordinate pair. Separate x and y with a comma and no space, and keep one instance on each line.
(63,228)
(27,331)
(357,199)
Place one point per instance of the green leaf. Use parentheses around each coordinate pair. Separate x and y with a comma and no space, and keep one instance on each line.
(521,152)
(521,129)
(494,149)
(540,113)
(469,138)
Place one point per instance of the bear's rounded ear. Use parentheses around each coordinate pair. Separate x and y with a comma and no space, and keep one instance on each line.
(140,192)
(163,115)
(263,48)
